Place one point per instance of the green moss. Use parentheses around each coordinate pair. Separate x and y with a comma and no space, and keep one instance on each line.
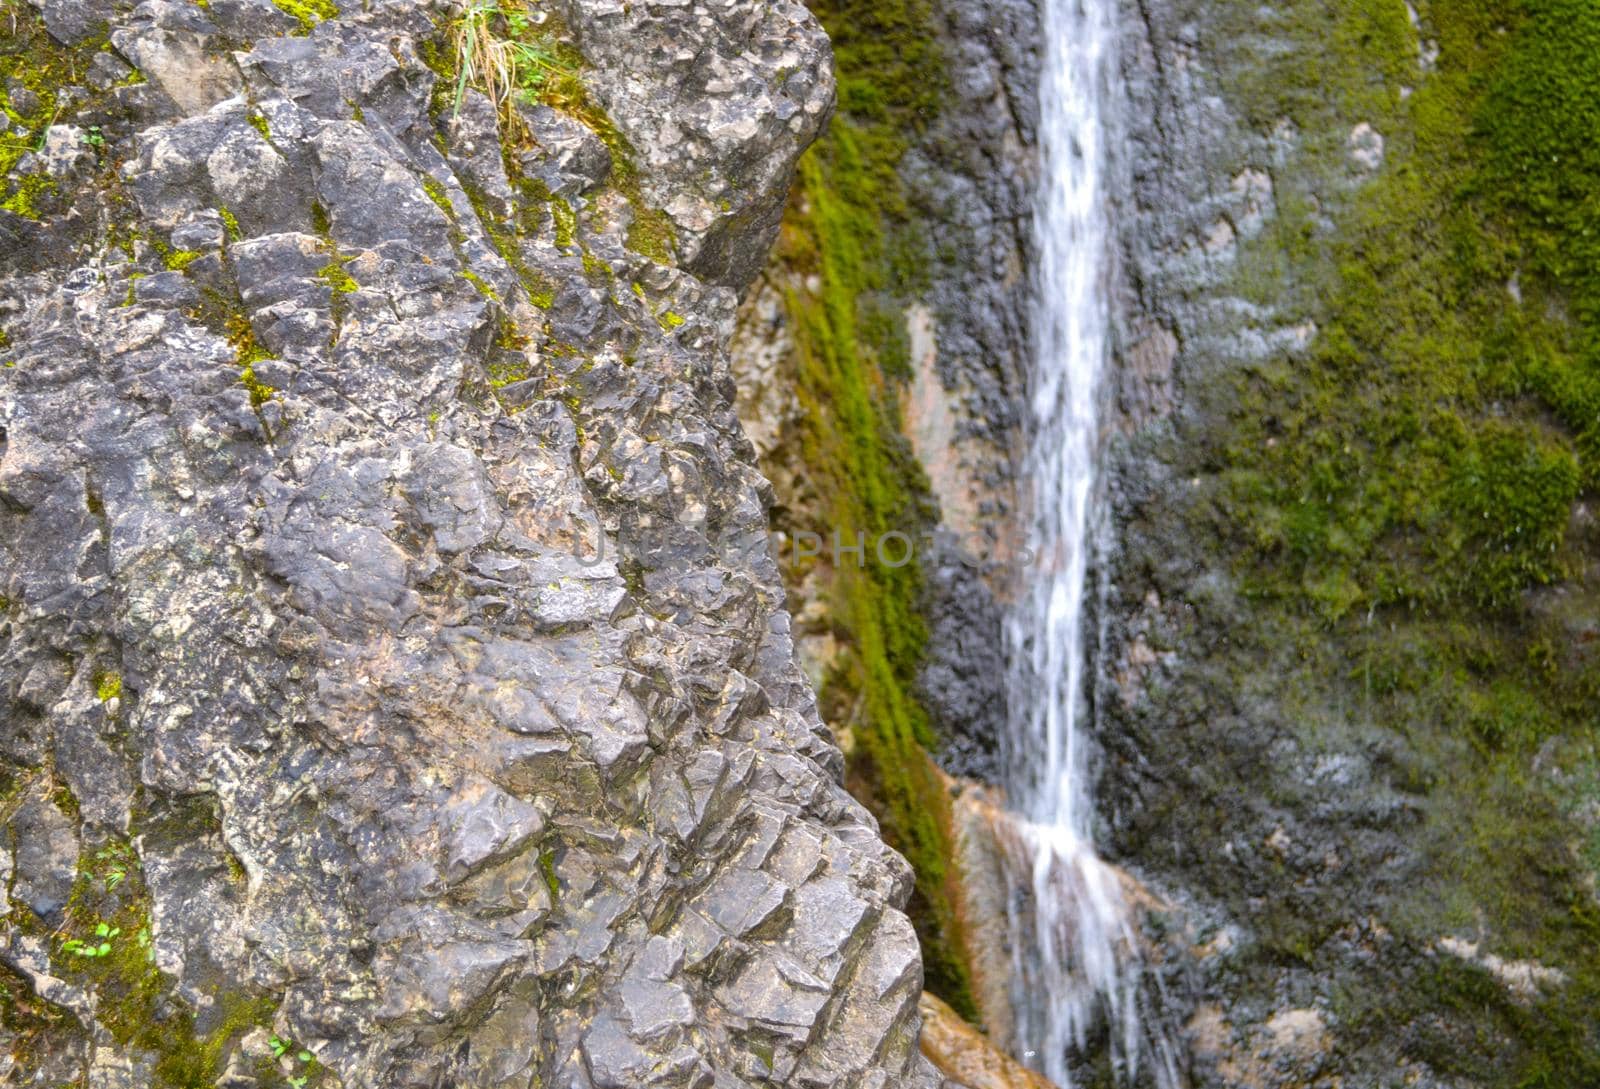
(548,70)
(63,799)
(670,320)
(230,223)
(260,392)
(596,271)
(249,353)
(1515,486)
(308,12)
(651,233)
(541,291)
(243,339)
(1421,345)
(133,278)
(259,122)
(506,237)
(178,260)
(510,364)
(109,686)
(547,865)
(334,275)
(1396,500)
(566,221)
(851,353)
(437,194)
(32,59)
(25,197)
(480,284)
(108,914)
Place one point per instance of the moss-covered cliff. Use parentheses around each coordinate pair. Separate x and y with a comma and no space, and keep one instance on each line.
(1351,683)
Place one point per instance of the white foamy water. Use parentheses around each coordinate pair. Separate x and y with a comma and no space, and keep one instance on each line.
(1077,958)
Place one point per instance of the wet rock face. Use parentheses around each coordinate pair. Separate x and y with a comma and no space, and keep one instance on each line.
(972,178)
(968,177)
(1289,821)
(1202,787)
(389,659)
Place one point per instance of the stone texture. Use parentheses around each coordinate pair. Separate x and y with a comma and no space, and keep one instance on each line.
(973,175)
(965,1054)
(718,97)
(421,689)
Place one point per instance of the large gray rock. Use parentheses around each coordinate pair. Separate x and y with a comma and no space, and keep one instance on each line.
(717,97)
(378,605)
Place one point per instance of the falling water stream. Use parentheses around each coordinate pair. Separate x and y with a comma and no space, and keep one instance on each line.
(1077,962)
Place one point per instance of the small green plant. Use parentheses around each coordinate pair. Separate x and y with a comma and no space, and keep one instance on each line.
(99,946)
(304,1060)
(94,138)
(494,54)
(114,860)
(281,1047)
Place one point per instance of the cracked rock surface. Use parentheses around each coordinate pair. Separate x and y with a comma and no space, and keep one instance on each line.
(395,690)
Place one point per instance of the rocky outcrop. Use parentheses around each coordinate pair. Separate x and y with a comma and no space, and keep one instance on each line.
(717,101)
(395,689)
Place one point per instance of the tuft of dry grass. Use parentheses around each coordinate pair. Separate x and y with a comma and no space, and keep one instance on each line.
(497,53)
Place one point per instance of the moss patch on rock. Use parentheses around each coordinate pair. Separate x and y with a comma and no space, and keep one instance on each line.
(1398,502)
(34,68)
(105,945)
(308,13)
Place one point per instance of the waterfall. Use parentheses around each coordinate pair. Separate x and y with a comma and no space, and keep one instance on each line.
(1077,957)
